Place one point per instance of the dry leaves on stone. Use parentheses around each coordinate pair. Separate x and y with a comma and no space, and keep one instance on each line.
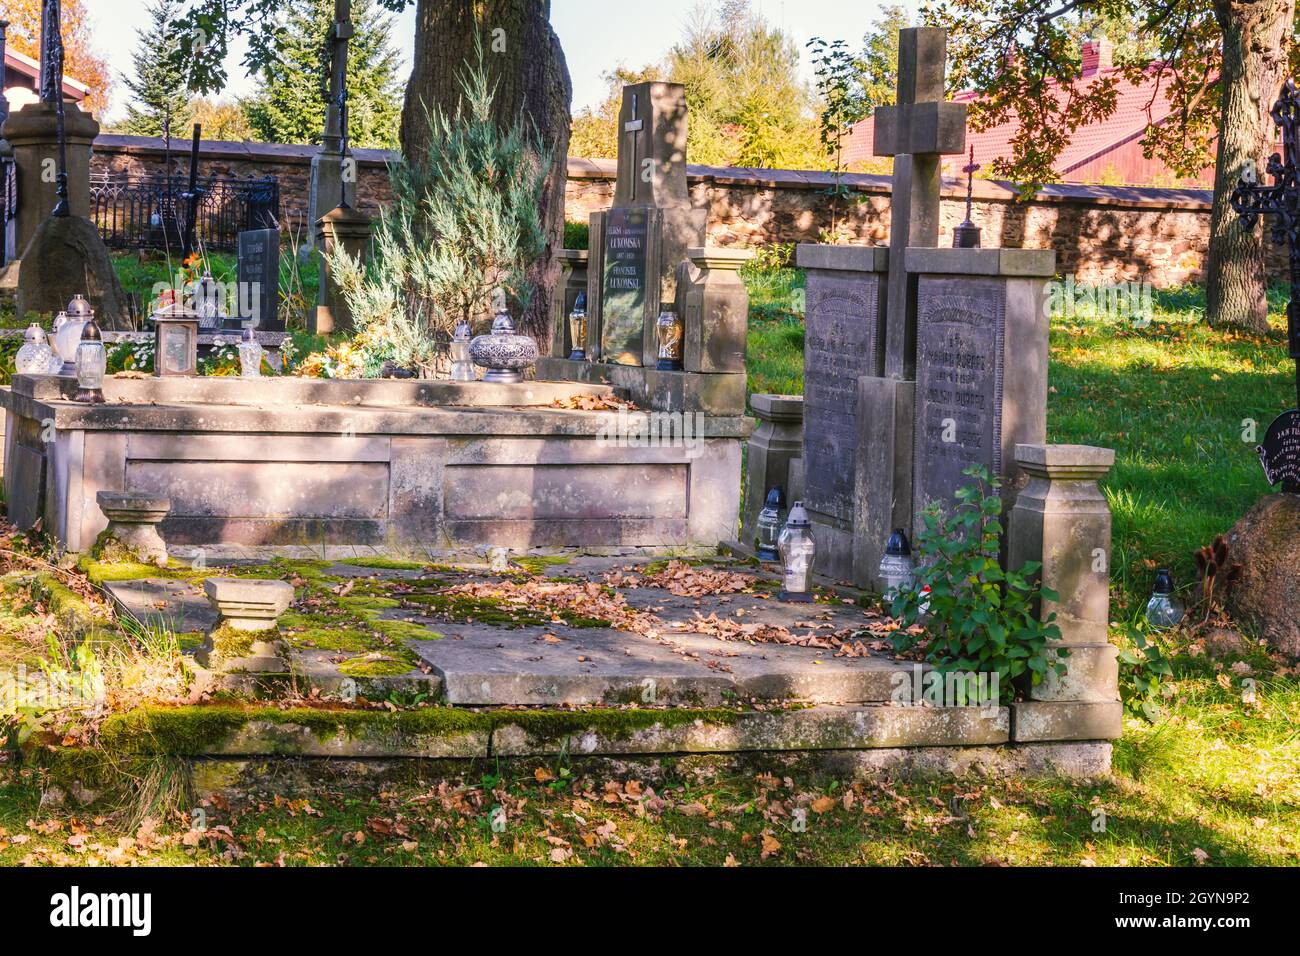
(687,580)
(592,403)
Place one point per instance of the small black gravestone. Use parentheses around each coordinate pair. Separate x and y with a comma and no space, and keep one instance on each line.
(259,278)
(1280,452)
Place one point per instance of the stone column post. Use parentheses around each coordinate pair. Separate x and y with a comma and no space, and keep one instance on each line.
(33,134)
(716,319)
(1062,520)
(350,229)
(774,444)
(573,279)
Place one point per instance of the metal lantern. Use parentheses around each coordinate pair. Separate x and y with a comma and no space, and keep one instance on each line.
(1164,610)
(769,526)
(669,331)
(92,361)
(208,302)
(250,355)
(462,365)
(35,355)
(79,307)
(897,569)
(176,341)
(798,552)
(578,328)
(505,353)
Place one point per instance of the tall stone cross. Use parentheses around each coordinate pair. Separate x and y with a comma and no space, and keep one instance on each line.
(917,132)
(52,92)
(634,128)
(335,137)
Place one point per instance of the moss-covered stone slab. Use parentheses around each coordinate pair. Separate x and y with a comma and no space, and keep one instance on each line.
(176,605)
(818,728)
(230,731)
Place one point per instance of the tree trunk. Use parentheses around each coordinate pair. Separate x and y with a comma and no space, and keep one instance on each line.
(526,64)
(1256,37)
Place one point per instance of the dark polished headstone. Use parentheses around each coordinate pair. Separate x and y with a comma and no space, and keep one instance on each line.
(259,278)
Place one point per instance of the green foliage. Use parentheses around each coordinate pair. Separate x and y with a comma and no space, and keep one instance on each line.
(160,99)
(457,241)
(577,235)
(1143,669)
(290,106)
(980,618)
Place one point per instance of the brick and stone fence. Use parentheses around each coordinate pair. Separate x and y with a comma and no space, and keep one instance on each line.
(1105,234)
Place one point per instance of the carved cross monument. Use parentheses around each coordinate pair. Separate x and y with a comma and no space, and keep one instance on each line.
(52,92)
(333,169)
(917,131)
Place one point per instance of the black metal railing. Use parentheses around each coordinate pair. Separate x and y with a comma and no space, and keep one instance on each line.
(8,208)
(149,212)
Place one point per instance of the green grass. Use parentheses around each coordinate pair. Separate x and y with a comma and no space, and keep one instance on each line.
(1171,399)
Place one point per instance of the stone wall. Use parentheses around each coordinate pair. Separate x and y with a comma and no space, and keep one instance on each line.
(1100,233)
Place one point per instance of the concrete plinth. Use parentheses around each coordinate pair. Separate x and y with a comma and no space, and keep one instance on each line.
(33,133)
(249,605)
(341,228)
(776,441)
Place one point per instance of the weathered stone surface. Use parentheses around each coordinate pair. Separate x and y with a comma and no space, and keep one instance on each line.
(716,317)
(66,256)
(1091,674)
(821,728)
(1266,542)
(33,133)
(133,521)
(347,229)
(1035,721)
(776,441)
(882,477)
(175,605)
(247,604)
(1072,761)
(981,385)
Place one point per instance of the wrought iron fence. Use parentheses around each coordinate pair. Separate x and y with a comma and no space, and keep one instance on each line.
(8,208)
(149,212)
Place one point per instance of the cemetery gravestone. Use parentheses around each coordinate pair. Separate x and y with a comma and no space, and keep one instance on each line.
(259,278)
(628,262)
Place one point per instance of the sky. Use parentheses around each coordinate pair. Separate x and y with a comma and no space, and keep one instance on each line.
(597,35)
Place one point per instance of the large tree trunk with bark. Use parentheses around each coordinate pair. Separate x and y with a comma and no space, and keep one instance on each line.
(1256,40)
(526,64)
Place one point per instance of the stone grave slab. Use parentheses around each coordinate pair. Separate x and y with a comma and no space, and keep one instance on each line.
(179,606)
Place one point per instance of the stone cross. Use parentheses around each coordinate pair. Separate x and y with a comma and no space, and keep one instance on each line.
(335,137)
(634,127)
(52,92)
(652,147)
(919,129)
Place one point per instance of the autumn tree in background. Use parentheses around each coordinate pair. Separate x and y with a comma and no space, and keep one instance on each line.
(1220,65)
(81,61)
(221,119)
(595,131)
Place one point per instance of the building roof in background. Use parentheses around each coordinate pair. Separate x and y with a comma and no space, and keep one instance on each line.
(1137,106)
(25,66)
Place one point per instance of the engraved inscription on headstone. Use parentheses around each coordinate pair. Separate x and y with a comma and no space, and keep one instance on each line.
(627,233)
(259,278)
(959,364)
(838,349)
(1280,451)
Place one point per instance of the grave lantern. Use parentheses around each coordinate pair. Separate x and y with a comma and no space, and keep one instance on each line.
(67,332)
(769,526)
(250,355)
(578,328)
(1164,610)
(35,355)
(175,341)
(462,365)
(91,362)
(671,335)
(798,551)
(505,353)
(897,569)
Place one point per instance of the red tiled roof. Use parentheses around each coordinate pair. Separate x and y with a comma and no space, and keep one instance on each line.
(1137,106)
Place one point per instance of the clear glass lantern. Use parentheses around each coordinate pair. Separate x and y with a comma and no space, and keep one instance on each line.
(91,363)
(578,328)
(1164,610)
(798,552)
(669,331)
(769,526)
(67,336)
(250,355)
(35,355)
(897,569)
(462,365)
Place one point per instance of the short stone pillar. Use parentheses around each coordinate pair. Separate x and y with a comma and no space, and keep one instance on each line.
(573,279)
(773,446)
(249,609)
(133,521)
(1062,520)
(717,312)
(349,229)
(33,133)
(333,183)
